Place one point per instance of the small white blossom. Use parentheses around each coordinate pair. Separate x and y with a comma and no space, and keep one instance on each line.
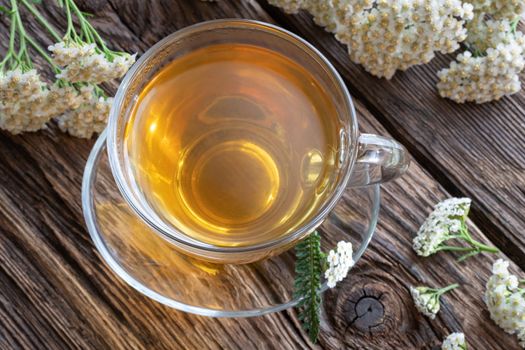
(64,98)
(24,101)
(488,33)
(426,299)
(486,78)
(492,70)
(500,9)
(446,219)
(67,53)
(506,301)
(455,341)
(339,263)
(97,68)
(89,118)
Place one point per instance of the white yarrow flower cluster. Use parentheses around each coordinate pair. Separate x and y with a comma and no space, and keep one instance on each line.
(506,300)
(484,34)
(89,118)
(397,35)
(500,9)
(425,300)
(446,219)
(23,97)
(455,341)
(490,69)
(485,78)
(27,103)
(67,53)
(339,263)
(82,63)
(385,36)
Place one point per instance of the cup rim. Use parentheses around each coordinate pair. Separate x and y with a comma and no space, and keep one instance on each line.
(175,235)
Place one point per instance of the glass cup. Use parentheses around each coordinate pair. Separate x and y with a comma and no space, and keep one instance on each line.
(363,159)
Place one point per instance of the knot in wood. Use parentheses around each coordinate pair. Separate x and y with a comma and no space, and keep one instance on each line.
(366,314)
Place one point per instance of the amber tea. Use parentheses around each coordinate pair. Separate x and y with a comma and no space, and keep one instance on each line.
(233,144)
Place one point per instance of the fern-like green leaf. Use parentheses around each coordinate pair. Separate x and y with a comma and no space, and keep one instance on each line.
(308,269)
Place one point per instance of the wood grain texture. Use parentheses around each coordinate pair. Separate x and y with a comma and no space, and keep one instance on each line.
(56,293)
(473,150)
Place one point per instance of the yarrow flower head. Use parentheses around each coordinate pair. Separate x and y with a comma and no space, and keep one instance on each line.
(70,52)
(426,299)
(447,222)
(25,101)
(500,9)
(505,300)
(340,261)
(490,70)
(385,36)
(454,341)
(484,34)
(97,68)
(90,117)
(22,95)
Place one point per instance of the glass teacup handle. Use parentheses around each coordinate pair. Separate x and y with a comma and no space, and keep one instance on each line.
(379,159)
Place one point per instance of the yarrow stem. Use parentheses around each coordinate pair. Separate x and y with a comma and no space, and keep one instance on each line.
(454,248)
(22,58)
(88,33)
(22,50)
(41,51)
(475,246)
(12,34)
(70,27)
(41,19)
(446,289)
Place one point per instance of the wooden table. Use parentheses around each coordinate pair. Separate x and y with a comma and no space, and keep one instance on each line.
(56,293)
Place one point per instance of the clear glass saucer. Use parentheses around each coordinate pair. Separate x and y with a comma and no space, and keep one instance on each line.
(151,265)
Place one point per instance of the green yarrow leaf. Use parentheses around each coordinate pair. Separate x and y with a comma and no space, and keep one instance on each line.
(308,269)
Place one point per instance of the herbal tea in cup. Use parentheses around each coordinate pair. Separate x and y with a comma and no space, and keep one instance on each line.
(233,144)
(233,139)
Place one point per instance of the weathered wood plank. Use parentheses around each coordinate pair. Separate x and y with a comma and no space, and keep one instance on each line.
(472,150)
(56,293)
